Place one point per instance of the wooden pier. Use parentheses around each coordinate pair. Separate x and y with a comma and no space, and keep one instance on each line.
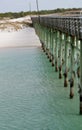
(61,39)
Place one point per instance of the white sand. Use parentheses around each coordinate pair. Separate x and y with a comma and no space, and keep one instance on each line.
(24,37)
(26,19)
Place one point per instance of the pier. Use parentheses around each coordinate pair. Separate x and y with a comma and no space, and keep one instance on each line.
(61,39)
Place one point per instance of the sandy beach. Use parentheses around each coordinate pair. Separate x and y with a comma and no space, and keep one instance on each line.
(13,33)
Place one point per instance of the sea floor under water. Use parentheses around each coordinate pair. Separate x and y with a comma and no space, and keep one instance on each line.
(32,97)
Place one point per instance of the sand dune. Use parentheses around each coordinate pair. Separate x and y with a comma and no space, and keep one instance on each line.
(14,24)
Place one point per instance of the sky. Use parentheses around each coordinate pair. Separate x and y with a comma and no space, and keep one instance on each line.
(25,5)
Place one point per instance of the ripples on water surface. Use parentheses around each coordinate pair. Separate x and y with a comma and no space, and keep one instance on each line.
(31,95)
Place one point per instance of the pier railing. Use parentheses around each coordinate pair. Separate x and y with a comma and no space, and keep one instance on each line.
(69,25)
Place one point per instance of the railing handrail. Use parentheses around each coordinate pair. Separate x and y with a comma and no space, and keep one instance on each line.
(70,25)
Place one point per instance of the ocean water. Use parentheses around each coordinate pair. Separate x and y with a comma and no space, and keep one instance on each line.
(31,95)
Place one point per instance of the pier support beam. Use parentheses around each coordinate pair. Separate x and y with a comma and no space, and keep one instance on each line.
(77,63)
(66,61)
(60,56)
(56,51)
(44,38)
(72,42)
(81,77)
(50,45)
(53,48)
(46,41)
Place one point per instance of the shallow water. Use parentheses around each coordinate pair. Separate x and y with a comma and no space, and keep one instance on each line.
(21,38)
(31,95)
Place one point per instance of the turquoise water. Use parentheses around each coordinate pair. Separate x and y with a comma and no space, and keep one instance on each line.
(31,95)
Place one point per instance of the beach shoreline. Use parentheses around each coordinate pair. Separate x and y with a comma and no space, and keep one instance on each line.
(15,33)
